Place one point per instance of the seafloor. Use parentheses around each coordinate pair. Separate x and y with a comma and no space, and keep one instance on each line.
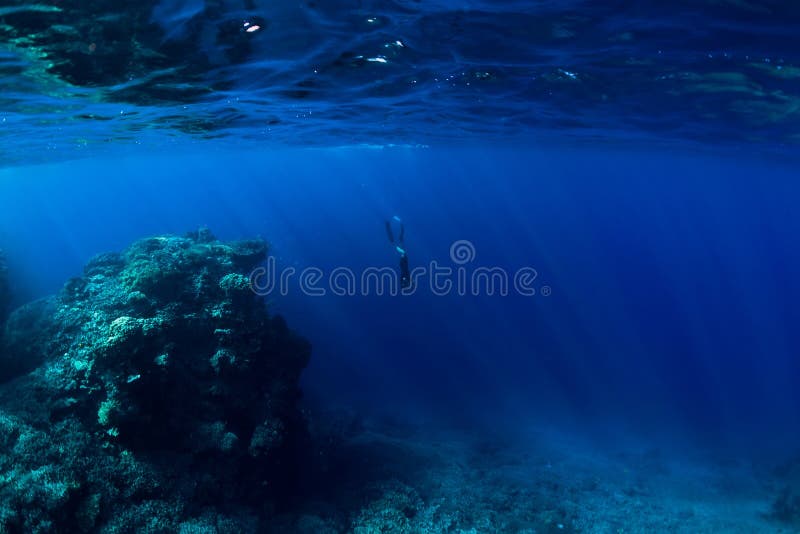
(157,394)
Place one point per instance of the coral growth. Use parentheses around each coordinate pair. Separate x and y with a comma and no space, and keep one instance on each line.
(154,392)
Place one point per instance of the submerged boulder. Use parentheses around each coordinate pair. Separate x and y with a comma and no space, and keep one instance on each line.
(155,387)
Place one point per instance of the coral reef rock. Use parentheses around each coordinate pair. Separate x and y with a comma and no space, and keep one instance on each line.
(153,394)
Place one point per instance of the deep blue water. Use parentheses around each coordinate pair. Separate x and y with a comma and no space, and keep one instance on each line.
(639,157)
(672,314)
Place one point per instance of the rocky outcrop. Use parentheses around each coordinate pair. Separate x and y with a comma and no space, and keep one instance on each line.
(153,390)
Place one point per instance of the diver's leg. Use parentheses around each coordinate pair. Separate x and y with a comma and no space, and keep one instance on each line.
(389,232)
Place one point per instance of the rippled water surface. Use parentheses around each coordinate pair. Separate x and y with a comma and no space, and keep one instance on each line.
(81,75)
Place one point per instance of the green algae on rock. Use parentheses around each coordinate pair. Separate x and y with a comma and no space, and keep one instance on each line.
(167,390)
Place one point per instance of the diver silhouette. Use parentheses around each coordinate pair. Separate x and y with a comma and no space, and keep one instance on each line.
(400,247)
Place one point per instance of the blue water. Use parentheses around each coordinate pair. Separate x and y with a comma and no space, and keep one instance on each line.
(671,314)
(640,158)
(84,79)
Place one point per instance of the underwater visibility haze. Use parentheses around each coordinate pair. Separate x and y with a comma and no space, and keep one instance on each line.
(399,267)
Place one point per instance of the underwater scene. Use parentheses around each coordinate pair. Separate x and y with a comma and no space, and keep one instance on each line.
(399,266)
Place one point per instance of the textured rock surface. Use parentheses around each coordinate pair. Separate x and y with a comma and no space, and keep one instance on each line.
(153,394)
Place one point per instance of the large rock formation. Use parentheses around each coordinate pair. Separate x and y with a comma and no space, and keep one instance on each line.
(154,393)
